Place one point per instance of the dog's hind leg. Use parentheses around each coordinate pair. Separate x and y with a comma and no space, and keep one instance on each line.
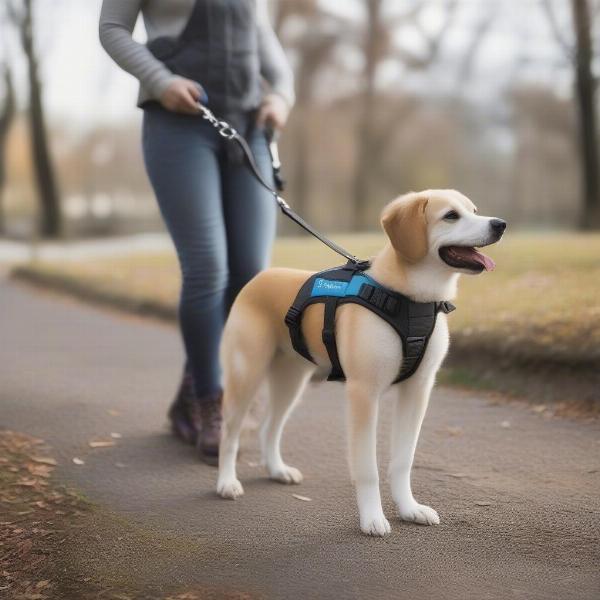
(409,411)
(287,378)
(245,357)
(363,404)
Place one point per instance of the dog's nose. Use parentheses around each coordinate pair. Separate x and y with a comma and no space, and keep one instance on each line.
(498,226)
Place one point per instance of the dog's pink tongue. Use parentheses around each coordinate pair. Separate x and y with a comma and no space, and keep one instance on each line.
(478,257)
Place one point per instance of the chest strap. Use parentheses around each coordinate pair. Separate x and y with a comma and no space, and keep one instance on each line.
(413,321)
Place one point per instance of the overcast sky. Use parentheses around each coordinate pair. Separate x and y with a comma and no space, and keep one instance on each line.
(83,86)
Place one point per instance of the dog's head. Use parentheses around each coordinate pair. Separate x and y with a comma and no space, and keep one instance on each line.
(444,226)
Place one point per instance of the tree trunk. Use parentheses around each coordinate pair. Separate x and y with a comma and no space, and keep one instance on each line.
(361,195)
(50,213)
(6,117)
(588,140)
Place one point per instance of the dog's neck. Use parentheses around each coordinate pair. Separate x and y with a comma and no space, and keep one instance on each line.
(426,281)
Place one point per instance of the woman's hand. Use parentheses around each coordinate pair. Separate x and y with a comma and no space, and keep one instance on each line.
(182,96)
(273,113)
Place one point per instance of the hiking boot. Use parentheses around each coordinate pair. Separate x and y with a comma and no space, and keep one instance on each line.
(208,421)
(180,414)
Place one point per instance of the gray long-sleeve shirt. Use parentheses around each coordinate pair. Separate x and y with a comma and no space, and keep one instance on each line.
(168,18)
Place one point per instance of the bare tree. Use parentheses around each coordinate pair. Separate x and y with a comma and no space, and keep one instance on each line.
(581,56)
(7,113)
(48,195)
(586,102)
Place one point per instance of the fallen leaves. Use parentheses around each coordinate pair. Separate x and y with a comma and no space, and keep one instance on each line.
(33,523)
(40,470)
(451,431)
(24,482)
(101,443)
(302,498)
(45,460)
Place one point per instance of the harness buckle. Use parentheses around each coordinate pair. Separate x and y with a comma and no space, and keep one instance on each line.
(292,316)
(358,265)
(446,307)
(379,298)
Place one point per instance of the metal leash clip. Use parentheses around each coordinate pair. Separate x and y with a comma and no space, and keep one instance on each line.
(223,128)
(272,139)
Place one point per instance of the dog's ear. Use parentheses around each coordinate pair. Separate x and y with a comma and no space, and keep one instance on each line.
(405,224)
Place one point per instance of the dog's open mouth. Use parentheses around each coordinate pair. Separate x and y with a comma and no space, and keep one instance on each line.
(465,257)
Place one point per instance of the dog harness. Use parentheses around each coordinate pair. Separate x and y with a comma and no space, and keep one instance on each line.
(413,321)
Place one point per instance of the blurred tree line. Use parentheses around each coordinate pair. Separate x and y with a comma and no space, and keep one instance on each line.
(355,140)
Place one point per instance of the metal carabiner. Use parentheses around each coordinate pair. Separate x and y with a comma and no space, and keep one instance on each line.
(208,115)
(226,130)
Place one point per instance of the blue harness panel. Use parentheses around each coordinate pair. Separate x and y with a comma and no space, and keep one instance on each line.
(340,289)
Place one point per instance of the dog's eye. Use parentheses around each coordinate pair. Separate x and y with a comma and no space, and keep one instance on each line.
(451,215)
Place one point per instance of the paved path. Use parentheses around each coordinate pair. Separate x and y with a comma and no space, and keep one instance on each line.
(12,252)
(64,368)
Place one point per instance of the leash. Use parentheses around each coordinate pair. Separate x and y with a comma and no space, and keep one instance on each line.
(229,133)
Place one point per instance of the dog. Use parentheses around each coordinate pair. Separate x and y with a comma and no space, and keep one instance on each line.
(432,239)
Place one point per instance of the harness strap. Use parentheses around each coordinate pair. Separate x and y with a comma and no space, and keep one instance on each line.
(293,320)
(328,336)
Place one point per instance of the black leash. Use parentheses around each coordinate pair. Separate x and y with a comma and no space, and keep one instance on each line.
(229,133)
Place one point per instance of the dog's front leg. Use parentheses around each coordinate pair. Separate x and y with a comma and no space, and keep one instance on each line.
(409,411)
(362,438)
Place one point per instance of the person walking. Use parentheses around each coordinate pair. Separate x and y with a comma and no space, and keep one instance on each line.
(225,55)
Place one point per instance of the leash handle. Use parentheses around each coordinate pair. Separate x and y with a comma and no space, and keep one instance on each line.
(273,141)
(229,133)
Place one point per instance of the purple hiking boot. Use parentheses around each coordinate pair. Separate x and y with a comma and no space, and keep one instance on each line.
(183,425)
(208,421)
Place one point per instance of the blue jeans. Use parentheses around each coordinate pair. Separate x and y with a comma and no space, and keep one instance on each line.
(221,220)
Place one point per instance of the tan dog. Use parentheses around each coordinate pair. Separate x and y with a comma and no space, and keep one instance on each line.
(432,239)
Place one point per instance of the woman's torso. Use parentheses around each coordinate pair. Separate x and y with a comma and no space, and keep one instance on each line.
(213,42)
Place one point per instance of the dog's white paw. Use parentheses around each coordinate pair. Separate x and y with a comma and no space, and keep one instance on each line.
(378,526)
(286,474)
(419,513)
(230,489)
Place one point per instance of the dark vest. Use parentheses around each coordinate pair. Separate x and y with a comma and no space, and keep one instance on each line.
(413,321)
(219,49)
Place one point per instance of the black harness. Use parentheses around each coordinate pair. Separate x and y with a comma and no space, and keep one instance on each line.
(413,321)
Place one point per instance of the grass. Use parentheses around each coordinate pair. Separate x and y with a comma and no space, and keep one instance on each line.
(541,305)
